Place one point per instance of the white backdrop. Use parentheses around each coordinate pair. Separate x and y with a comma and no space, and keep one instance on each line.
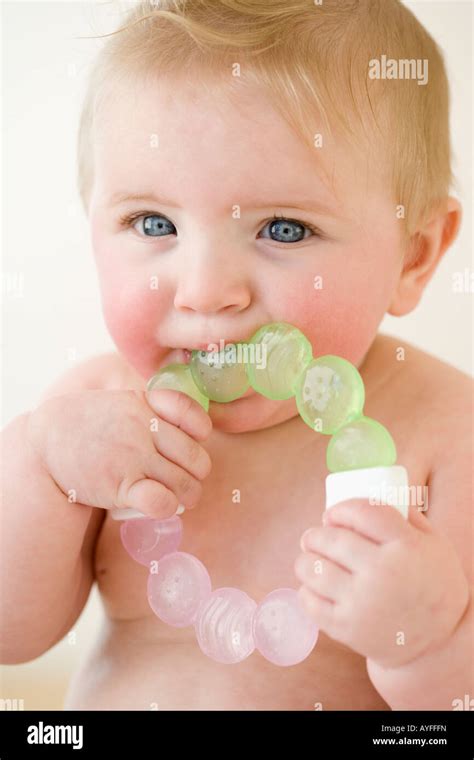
(51,306)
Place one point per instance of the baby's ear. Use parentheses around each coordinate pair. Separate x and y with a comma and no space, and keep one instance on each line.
(425,250)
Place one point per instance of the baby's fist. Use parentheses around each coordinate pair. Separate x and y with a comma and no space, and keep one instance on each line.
(389,588)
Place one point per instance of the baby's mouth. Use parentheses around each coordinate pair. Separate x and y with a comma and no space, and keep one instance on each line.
(178,356)
(187,353)
(183,356)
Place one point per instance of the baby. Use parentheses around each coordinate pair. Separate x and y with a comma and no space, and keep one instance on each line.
(243,165)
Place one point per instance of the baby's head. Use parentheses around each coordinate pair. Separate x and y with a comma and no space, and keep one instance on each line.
(208,118)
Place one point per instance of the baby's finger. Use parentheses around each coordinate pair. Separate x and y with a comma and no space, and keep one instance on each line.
(185,486)
(322,576)
(346,547)
(379,522)
(321,610)
(150,498)
(180,448)
(180,410)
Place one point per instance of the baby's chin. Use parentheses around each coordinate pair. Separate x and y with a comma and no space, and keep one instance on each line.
(245,415)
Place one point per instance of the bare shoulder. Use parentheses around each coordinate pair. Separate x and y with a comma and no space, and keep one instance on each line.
(442,394)
(107,371)
(440,409)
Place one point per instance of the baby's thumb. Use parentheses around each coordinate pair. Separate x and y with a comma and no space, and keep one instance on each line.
(151,498)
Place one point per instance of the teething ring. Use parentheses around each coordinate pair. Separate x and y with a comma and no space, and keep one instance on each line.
(278,363)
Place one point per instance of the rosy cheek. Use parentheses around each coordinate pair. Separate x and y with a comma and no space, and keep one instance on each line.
(340,314)
(133,313)
(348,316)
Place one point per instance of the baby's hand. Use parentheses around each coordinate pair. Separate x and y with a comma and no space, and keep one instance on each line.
(389,588)
(124,448)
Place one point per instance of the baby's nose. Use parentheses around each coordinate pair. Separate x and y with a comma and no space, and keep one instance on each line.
(206,287)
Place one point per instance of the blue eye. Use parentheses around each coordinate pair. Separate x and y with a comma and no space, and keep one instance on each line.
(284,230)
(281,229)
(156,225)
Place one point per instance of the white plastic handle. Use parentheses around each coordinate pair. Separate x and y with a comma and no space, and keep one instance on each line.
(127,513)
(381,485)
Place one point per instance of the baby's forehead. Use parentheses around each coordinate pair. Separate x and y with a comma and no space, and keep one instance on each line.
(178,130)
(185,111)
(242,117)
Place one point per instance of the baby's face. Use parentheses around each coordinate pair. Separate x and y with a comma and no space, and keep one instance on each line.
(203,259)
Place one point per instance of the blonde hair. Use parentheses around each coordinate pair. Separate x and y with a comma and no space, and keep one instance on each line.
(313,58)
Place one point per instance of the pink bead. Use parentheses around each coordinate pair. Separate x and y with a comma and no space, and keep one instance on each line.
(178,588)
(147,539)
(284,633)
(224,625)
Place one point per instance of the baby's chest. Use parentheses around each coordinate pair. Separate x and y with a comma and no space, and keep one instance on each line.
(246,533)
(246,530)
(248,527)
(248,524)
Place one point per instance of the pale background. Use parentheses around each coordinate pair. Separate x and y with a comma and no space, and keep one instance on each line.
(51,306)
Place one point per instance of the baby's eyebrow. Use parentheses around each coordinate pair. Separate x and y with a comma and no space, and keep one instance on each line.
(121,197)
(295,203)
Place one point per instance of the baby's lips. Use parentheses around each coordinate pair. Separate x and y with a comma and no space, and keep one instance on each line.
(175,356)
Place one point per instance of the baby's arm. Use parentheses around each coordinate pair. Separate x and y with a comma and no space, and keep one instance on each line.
(47,541)
(89,449)
(399,592)
(444,675)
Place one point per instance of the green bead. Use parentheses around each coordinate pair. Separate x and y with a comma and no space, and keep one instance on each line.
(178,377)
(329,393)
(221,375)
(280,355)
(361,443)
